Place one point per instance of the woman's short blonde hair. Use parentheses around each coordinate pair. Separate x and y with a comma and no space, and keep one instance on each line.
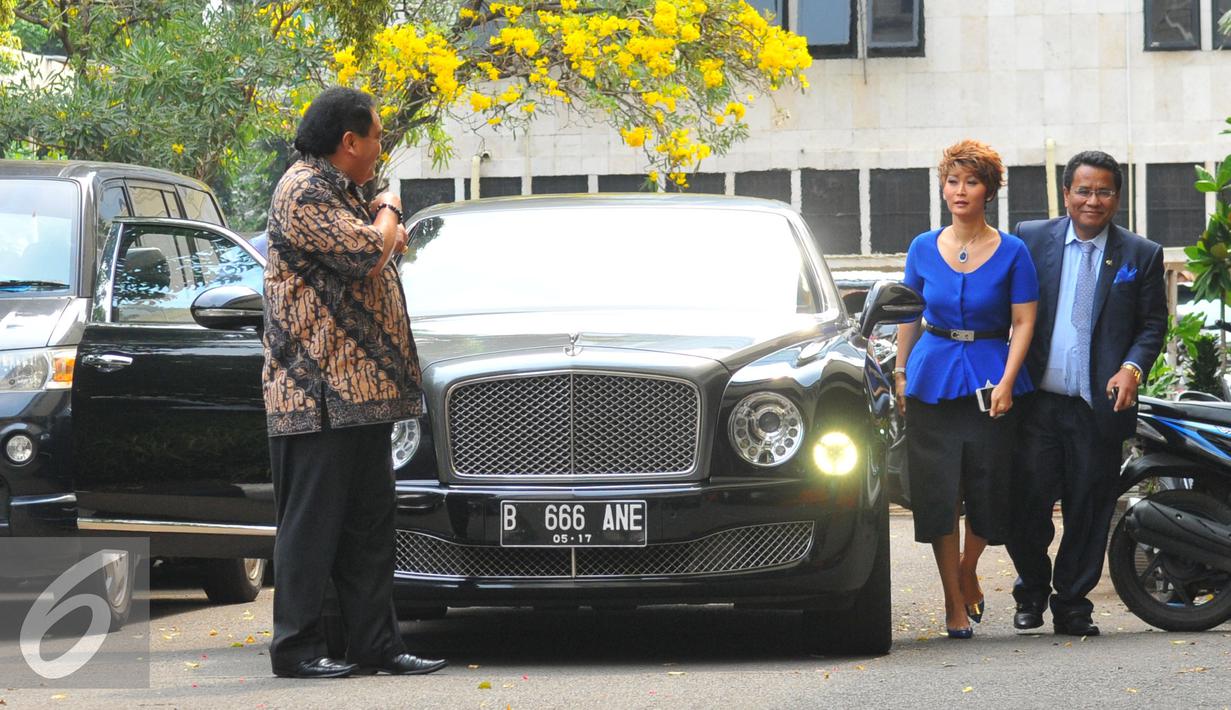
(977,157)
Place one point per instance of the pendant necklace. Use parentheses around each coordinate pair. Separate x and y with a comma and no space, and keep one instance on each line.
(962,255)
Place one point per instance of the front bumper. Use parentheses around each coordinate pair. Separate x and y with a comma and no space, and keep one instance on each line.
(776,542)
(36,498)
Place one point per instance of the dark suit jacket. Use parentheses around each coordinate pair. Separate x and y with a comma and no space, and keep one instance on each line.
(1130,317)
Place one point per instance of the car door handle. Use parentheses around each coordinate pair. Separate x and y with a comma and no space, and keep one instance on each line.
(107,362)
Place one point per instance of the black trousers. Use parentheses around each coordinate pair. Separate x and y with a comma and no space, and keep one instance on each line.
(335,501)
(1063,458)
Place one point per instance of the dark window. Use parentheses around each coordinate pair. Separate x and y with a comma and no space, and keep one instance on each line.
(1175,211)
(625,183)
(900,210)
(199,205)
(496,187)
(160,271)
(417,194)
(769,184)
(829,26)
(830,206)
(559,184)
(1028,195)
(1220,8)
(775,8)
(991,213)
(114,203)
(152,202)
(1172,24)
(711,184)
(895,27)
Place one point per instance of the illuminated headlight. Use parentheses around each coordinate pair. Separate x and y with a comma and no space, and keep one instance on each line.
(35,370)
(405,438)
(835,454)
(19,448)
(766,429)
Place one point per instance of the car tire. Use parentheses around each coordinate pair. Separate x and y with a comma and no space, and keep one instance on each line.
(114,583)
(865,629)
(233,581)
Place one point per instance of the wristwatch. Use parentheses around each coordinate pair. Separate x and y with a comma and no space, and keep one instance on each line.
(1133,369)
(395,210)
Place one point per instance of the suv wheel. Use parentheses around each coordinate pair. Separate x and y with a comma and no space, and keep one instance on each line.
(234,581)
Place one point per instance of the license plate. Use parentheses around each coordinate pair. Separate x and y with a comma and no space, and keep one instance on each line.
(611,523)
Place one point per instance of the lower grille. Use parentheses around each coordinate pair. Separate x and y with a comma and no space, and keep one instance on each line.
(730,551)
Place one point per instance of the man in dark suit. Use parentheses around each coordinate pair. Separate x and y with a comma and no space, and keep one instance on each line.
(1102,320)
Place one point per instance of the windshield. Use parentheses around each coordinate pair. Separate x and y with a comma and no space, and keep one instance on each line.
(607,258)
(38,228)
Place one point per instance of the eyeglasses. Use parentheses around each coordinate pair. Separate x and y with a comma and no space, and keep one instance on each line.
(1086,193)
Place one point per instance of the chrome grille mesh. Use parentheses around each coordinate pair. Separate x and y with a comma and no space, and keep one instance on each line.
(573,424)
(737,550)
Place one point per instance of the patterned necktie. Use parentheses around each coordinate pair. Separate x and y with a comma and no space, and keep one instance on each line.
(1083,313)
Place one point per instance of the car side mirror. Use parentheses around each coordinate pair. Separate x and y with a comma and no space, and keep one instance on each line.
(889,302)
(229,308)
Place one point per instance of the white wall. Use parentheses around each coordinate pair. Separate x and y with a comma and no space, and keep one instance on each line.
(1014,73)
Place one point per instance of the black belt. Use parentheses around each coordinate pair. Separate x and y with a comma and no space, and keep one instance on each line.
(966,336)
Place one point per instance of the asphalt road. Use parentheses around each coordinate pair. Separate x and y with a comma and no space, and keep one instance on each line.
(687,657)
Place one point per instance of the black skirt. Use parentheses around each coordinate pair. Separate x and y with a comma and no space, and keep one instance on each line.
(959,455)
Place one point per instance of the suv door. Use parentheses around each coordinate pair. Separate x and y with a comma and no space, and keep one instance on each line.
(169,424)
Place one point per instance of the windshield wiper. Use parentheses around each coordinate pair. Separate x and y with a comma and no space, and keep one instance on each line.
(35,284)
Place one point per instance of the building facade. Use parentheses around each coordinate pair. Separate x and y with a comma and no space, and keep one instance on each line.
(896,81)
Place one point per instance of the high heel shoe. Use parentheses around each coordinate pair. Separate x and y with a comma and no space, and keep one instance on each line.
(965,633)
(975,611)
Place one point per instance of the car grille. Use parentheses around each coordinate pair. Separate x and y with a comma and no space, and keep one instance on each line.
(737,550)
(574,424)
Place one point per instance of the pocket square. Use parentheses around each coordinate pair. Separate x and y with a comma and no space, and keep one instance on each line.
(1125,274)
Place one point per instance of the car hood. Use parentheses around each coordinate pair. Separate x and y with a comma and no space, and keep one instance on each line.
(733,339)
(29,322)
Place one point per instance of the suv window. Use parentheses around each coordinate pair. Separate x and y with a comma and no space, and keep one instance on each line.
(113,204)
(153,202)
(161,270)
(199,205)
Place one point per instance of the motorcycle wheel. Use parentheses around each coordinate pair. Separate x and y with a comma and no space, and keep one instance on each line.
(1164,590)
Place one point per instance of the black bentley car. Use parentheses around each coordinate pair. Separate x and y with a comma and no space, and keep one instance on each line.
(645,399)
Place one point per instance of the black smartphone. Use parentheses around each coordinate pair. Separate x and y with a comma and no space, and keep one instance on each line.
(1115,393)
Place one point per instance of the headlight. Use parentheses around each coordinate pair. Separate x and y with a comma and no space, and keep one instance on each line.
(34,370)
(405,438)
(19,449)
(835,454)
(766,429)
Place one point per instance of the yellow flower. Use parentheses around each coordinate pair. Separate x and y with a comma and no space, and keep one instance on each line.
(636,137)
(568,5)
(528,107)
(467,14)
(736,109)
(178,148)
(494,120)
(480,102)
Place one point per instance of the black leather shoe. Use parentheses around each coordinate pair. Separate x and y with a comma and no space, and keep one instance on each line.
(1027,617)
(1075,625)
(322,667)
(403,664)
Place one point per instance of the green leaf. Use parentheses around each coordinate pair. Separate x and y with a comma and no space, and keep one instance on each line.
(1205,186)
(1224,173)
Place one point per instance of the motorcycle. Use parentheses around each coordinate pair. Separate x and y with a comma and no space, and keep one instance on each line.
(1170,554)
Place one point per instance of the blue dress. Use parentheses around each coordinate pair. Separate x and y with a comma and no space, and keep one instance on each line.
(954,450)
(940,368)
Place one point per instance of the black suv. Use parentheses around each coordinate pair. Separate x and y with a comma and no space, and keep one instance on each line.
(88,441)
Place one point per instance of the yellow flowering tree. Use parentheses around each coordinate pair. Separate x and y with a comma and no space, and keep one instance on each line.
(675,77)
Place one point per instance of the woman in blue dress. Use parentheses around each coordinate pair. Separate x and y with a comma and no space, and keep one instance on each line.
(981,293)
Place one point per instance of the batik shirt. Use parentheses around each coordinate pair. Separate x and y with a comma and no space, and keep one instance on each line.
(338,346)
